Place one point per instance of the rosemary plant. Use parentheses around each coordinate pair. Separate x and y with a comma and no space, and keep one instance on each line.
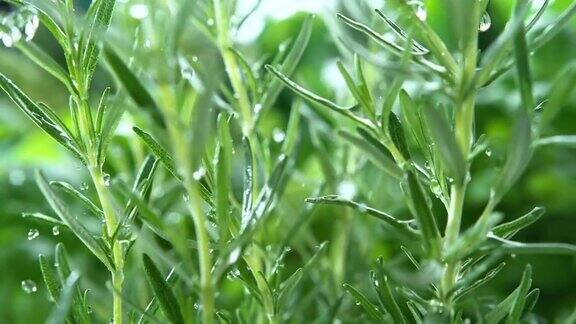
(193,195)
(429,147)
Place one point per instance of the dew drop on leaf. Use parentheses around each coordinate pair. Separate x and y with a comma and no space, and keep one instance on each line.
(485,22)
(421,12)
(139,11)
(56,230)
(84,186)
(29,286)
(278,135)
(346,189)
(32,234)
(106,178)
(198,174)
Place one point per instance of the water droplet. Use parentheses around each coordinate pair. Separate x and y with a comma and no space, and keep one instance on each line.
(488,152)
(29,286)
(31,27)
(234,255)
(198,174)
(278,135)
(186,197)
(17,177)
(84,186)
(32,234)
(138,11)
(435,187)
(421,12)
(56,230)
(210,22)
(485,22)
(346,189)
(257,108)
(106,178)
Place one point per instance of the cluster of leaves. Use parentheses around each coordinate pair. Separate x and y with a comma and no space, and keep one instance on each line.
(196,227)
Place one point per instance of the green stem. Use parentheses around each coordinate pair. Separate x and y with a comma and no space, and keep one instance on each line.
(451,235)
(232,66)
(117,273)
(205,259)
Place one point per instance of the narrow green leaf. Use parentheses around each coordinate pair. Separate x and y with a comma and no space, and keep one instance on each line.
(292,130)
(382,287)
(98,20)
(523,63)
(41,115)
(134,87)
(289,64)
(376,155)
(314,98)
(423,215)
(166,298)
(111,114)
(397,135)
(519,154)
(289,284)
(568,141)
(247,195)
(535,248)
(50,278)
(480,282)
(531,300)
(60,312)
(69,189)
(413,121)
(368,306)
(501,310)
(43,217)
(223,165)
(520,300)
(45,61)
(509,229)
(355,90)
(158,151)
(497,51)
(402,226)
(72,222)
(445,141)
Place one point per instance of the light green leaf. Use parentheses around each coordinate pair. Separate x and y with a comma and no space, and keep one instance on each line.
(134,87)
(371,309)
(402,226)
(509,229)
(423,215)
(50,278)
(520,300)
(69,189)
(387,299)
(288,65)
(41,115)
(448,149)
(60,312)
(72,222)
(375,153)
(164,295)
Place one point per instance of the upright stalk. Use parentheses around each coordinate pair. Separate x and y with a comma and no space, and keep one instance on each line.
(464,132)
(232,68)
(111,220)
(184,163)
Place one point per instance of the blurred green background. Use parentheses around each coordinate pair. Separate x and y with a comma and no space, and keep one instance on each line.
(549,182)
